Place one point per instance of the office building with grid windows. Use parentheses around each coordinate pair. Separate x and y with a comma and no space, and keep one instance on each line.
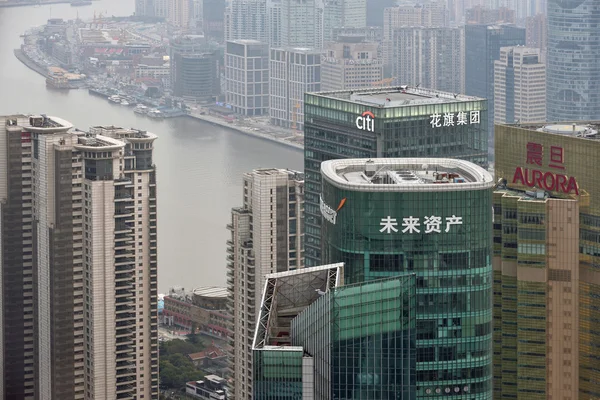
(431,217)
(385,122)
(546,262)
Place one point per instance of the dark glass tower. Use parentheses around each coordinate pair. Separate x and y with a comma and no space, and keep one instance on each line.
(573,66)
(482,48)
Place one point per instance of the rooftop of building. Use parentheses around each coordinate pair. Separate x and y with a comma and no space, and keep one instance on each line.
(580,129)
(211,291)
(397,96)
(91,142)
(41,123)
(294,175)
(246,41)
(285,295)
(406,175)
(300,50)
(122,133)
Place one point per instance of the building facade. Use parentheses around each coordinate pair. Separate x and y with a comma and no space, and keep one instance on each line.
(302,23)
(482,48)
(293,72)
(180,13)
(247,77)
(343,13)
(536,31)
(197,75)
(351,63)
(246,20)
(389,122)
(430,217)
(428,15)
(546,279)
(484,15)
(573,60)
(267,236)
(431,57)
(318,339)
(92,253)
(519,86)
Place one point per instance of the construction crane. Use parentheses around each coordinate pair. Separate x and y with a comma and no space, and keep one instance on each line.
(384,82)
(295,115)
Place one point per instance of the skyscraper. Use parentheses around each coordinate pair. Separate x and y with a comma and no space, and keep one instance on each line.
(267,236)
(302,23)
(536,30)
(430,57)
(519,86)
(431,217)
(247,76)
(343,13)
(194,65)
(427,15)
(351,62)
(482,48)
(573,60)
(546,258)
(389,122)
(319,339)
(293,72)
(180,12)
(79,267)
(246,19)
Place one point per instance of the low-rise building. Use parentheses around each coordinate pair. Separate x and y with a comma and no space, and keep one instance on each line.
(212,387)
(202,310)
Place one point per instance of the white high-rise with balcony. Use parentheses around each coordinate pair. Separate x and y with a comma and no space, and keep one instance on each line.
(267,235)
(519,86)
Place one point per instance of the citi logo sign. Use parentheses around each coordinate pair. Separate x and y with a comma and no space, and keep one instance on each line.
(366,122)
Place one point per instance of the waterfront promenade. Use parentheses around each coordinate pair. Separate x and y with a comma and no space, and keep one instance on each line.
(256,128)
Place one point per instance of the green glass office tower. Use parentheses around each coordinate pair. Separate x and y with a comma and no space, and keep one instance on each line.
(386,122)
(319,340)
(433,218)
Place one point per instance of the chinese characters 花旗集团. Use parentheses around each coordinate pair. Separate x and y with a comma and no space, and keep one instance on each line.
(455,119)
(431,224)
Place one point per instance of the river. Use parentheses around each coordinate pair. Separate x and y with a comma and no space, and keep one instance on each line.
(200,166)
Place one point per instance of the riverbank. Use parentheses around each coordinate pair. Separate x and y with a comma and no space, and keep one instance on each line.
(289,141)
(29,63)
(31,3)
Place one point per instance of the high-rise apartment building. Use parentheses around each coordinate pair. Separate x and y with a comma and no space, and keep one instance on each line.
(343,13)
(247,76)
(484,15)
(161,8)
(351,63)
(546,258)
(482,48)
(302,23)
(519,86)
(428,15)
(536,34)
(573,59)
(79,266)
(293,72)
(246,20)
(388,122)
(431,217)
(275,22)
(144,8)
(180,12)
(431,57)
(267,236)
